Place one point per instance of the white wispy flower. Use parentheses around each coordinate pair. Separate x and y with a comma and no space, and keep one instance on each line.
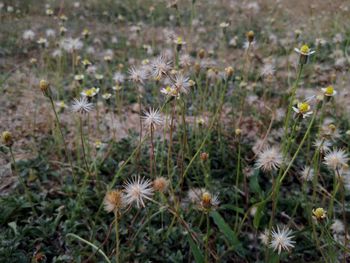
(281,239)
(322,145)
(181,83)
(267,70)
(82,105)
(118,77)
(337,226)
(269,159)
(159,67)
(137,190)
(264,237)
(137,75)
(71,44)
(307,173)
(336,159)
(28,35)
(152,118)
(185,60)
(50,33)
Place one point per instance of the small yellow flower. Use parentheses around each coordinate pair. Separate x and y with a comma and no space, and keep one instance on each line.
(7,138)
(90,92)
(250,36)
(44,86)
(319,213)
(206,199)
(305,49)
(229,71)
(303,108)
(329,91)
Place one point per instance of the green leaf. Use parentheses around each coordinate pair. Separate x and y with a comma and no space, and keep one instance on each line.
(258,214)
(90,244)
(227,231)
(198,256)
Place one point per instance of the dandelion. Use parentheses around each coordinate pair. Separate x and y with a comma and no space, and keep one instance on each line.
(160,184)
(336,159)
(137,190)
(269,159)
(281,239)
(152,118)
(114,201)
(82,106)
(319,213)
(304,53)
(303,109)
(329,91)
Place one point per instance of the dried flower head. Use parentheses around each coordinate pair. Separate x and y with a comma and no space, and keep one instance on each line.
(7,138)
(44,86)
(137,190)
(160,66)
(160,184)
(250,36)
(152,118)
(270,159)
(336,159)
(82,105)
(281,239)
(114,201)
(208,200)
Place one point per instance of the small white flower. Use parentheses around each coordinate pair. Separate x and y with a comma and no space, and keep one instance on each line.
(137,190)
(281,239)
(329,91)
(336,159)
(82,105)
(303,109)
(152,118)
